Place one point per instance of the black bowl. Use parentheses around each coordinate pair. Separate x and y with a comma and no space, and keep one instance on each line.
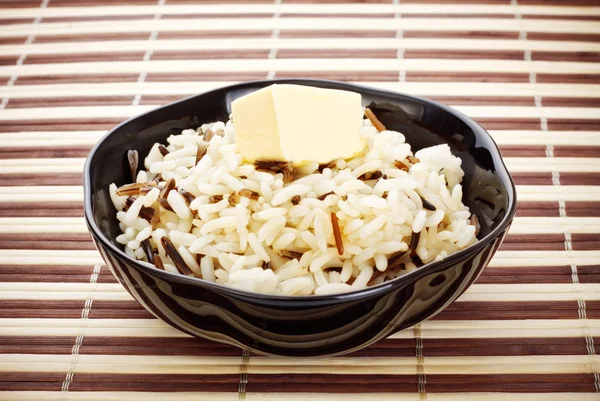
(309,325)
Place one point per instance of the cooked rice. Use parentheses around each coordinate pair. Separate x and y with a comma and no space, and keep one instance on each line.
(247,227)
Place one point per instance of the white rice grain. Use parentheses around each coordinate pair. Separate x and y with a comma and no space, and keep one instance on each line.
(286,193)
(333,288)
(419,222)
(179,205)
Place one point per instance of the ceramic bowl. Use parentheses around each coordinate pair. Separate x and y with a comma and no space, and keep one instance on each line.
(307,325)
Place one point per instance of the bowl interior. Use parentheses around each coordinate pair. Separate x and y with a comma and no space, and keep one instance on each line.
(487,186)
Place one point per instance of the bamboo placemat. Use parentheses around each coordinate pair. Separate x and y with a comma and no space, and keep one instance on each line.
(527,70)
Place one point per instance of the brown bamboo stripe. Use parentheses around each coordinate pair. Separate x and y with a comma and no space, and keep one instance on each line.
(512,383)
(332,383)
(209,54)
(97,18)
(74,3)
(43,241)
(32,381)
(579,179)
(574,151)
(571,78)
(284,15)
(327,1)
(17,40)
(532,178)
(8,60)
(4,22)
(583,209)
(559,2)
(462,34)
(154,346)
(90,37)
(206,76)
(459,15)
(35,345)
(215,34)
(51,209)
(565,179)
(241,15)
(45,274)
(60,125)
(301,383)
(375,76)
(145,14)
(449,54)
(41,179)
(486,100)
(576,125)
(442,76)
(19,4)
(289,33)
(523,151)
(76,58)
(336,53)
(578,37)
(512,124)
(72,79)
(69,101)
(158,383)
(505,346)
(559,17)
(571,102)
(587,57)
(511,310)
(589,274)
(158,99)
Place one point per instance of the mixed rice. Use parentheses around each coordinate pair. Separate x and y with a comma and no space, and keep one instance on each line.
(199,210)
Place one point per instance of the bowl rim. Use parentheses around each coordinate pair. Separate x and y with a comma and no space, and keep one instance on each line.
(294,299)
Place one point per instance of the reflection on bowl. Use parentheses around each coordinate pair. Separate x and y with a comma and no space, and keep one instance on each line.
(310,325)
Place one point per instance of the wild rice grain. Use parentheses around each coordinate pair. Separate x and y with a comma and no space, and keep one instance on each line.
(133,160)
(169,186)
(414,242)
(163,150)
(130,189)
(249,194)
(175,256)
(158,262)
(374,120)
(189,198)
(337,235)
(427,205)
(148,251)
(400,165)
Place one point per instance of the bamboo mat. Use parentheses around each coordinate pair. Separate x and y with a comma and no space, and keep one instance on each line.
(527,70)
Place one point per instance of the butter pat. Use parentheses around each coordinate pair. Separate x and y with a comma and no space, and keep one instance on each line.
(298,124)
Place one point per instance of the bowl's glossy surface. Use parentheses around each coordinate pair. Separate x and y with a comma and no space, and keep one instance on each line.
(314,325)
